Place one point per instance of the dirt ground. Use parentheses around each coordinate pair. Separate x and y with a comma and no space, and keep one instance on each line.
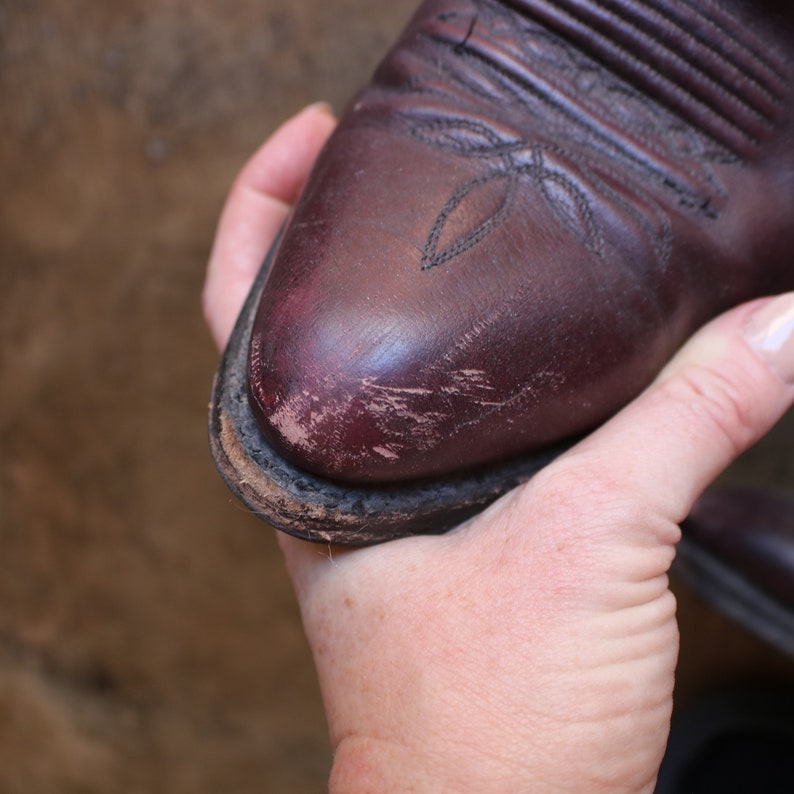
(149,641)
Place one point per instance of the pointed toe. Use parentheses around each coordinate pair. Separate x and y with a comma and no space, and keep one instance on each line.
(516,223)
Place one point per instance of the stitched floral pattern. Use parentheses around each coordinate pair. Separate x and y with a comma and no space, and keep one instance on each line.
(510,161)
(585,114)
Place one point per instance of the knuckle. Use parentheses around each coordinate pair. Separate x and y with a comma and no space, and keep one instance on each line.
(582,492)
(711,402)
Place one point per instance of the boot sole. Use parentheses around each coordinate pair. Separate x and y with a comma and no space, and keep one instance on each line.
(320,510)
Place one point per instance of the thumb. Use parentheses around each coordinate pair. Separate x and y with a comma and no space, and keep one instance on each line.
(720,394)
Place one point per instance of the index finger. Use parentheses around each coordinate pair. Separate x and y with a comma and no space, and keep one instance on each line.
(255,209)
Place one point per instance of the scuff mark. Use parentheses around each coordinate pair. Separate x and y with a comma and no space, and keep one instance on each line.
(385,453)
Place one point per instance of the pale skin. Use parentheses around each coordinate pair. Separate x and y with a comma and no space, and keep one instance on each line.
(534,648)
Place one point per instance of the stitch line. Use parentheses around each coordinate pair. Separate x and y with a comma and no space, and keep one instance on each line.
(751,47)
(520,37)
(431,257)
(591,239)
(643,67)
(647,31)
(502,80)
(686,196)
(607,80)
(744,68)
(569,115)
(541,175)
(516,80)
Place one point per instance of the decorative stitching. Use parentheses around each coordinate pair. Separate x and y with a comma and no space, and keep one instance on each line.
(487,144)
(431,256)
(593,133)
(643,66)
(652,130)
(750,47)
(673,145)
(745,69)
(652,34)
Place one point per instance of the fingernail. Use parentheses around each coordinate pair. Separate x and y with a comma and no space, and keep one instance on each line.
(322,107)
(770,332)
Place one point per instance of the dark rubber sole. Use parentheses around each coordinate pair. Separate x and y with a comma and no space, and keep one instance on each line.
(321,510)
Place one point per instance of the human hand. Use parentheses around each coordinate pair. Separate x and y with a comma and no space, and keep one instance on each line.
(534,647)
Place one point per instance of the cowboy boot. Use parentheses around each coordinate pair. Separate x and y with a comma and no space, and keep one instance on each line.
(516,223)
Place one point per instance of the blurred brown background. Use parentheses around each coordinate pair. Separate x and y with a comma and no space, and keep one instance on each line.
(149,641)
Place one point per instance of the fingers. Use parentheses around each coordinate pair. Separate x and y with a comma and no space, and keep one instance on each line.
(725,389)
(255,209)
(278,169)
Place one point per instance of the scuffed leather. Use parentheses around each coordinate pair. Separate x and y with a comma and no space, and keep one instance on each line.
(517,222)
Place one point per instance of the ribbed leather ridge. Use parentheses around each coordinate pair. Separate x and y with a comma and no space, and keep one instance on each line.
(698,60)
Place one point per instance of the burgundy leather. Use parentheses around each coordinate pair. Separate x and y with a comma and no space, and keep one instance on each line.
(517,222)
(752,532)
